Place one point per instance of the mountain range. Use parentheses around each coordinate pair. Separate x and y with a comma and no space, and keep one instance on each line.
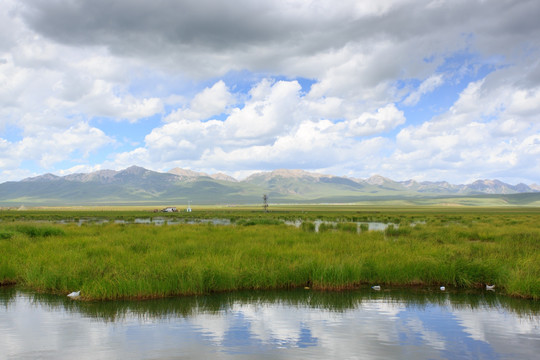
(138,186)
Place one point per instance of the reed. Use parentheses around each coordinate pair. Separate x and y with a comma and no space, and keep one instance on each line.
(115,261)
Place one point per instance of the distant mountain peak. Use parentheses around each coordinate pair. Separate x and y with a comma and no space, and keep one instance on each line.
(100,176)
(134,170)
(190,174)
(286,173)
(496,187)
(294,173)
(186,173)
(223,177)
(378,180)
(44,177)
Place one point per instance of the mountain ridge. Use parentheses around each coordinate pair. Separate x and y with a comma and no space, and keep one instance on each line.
(488,186)
(139,185)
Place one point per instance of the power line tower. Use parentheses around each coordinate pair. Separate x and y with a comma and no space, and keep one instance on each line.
(265,203)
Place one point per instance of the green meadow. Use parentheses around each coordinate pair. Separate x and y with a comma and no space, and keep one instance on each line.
(64,250)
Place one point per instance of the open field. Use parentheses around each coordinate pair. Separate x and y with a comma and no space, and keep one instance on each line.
(451,246)
(385,200)
(287,212)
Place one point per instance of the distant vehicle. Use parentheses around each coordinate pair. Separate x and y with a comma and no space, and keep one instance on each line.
(170,209)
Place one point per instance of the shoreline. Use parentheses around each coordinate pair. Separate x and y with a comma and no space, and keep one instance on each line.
(385,288)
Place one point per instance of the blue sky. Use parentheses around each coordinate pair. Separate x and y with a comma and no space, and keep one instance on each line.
(425,90)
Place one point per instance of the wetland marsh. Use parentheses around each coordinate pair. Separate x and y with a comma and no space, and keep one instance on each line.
(44,250)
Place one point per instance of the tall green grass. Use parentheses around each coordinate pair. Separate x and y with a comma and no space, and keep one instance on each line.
(114,261)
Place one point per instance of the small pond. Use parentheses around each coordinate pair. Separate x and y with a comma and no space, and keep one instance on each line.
(158,220)
(299,324)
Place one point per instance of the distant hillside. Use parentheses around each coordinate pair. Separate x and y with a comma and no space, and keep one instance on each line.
(139,186)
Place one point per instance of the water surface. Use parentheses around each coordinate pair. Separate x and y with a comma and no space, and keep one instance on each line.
(301,324)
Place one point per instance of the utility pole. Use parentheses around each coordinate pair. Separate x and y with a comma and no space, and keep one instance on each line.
(265,203)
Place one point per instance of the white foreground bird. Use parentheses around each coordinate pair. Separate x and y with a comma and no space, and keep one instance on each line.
(74,294)
(490,287)
(443,288)
(376,287)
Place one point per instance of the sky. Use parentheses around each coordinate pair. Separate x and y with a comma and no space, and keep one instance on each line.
(407,89)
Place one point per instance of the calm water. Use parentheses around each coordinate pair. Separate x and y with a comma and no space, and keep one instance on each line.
(301,324)
(371,226)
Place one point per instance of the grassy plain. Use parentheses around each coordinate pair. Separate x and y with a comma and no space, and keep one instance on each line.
(427,246)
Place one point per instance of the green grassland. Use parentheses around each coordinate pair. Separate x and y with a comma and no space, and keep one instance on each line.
(427,246)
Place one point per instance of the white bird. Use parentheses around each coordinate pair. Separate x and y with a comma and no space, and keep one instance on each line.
(443,288)
(490,287)
(74,294)
(376,287)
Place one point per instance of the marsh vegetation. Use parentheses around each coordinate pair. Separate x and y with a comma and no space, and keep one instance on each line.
(429,248)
